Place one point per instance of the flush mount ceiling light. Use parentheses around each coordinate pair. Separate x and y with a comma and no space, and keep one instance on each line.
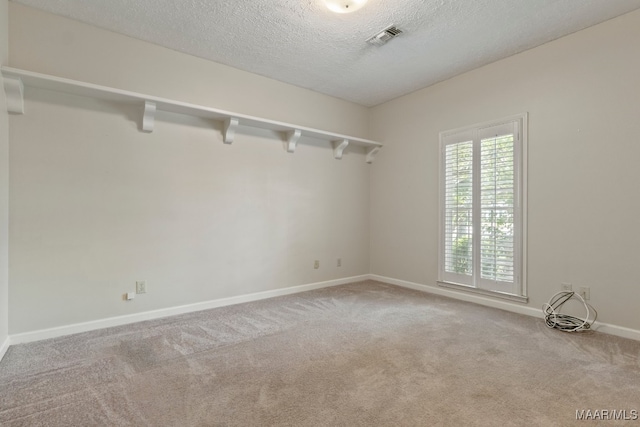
(344,6)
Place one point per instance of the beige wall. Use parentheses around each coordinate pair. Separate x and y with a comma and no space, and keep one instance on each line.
(97,205)
(4,183)
(582,94)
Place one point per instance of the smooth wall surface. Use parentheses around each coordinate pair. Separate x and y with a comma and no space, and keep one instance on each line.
(4,183)
(97,205)
(582,94)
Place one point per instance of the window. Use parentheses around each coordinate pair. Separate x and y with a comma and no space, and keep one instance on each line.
(482,208)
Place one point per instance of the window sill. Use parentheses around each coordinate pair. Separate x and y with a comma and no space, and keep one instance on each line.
(494,294)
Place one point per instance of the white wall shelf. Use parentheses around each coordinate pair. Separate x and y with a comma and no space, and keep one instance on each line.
(14,81)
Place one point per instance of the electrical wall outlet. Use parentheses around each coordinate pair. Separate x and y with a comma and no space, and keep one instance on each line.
(565,287)
(316,264)
(339,262)
(141,287)
(585,292)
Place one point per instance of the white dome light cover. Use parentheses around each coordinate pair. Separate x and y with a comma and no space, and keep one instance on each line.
(344,6)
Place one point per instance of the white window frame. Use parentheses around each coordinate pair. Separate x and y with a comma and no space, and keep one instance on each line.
(519,290)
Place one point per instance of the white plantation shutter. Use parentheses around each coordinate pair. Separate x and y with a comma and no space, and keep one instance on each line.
(481,219)
(459,208)
(497,206)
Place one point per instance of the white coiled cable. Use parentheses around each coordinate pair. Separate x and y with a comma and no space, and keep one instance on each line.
(564,322)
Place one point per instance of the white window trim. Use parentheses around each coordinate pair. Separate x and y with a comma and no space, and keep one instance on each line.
(522,182)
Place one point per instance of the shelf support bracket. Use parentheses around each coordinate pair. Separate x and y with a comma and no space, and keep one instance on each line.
(292,140)
(229,131)
(14,90)
(338,148)
(371,154)
(148,120)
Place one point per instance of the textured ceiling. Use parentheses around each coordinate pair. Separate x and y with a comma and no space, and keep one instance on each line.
(302,43)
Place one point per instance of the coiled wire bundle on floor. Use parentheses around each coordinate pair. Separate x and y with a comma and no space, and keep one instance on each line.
(564,322)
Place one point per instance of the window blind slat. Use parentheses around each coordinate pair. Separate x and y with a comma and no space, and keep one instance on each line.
(497,191)
(458,212)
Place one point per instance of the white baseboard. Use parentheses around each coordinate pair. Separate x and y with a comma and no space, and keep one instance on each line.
(619,331)
(606,328)
(171,311)
(4,347)
(478,299)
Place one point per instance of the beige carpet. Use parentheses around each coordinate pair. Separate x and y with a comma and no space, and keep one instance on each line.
(364,354)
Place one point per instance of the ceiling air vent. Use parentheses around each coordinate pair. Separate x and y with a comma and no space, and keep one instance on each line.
(385,35)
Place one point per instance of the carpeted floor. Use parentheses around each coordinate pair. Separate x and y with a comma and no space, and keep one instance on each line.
(363,354)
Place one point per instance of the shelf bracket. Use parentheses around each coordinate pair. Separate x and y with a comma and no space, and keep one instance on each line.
(292,140)
(148,120)
(371,154)
(338,147)
(14,90)
(229,131)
